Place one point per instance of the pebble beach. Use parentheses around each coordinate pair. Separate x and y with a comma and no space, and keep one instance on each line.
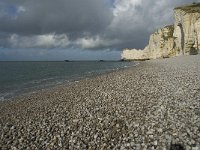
(155,105)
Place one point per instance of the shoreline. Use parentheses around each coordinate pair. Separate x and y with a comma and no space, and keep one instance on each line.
(154,105)
(35,90)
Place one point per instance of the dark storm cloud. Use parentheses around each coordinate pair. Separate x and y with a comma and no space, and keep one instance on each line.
(59,16)
(87,24)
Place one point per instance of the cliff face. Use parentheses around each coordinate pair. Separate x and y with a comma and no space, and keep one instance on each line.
(187,29)
(161,43)
(182,38)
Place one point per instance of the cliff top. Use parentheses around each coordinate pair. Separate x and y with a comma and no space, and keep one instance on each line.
(193,8)
(169,26)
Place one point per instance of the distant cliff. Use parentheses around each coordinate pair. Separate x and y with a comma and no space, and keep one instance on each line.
(182,38)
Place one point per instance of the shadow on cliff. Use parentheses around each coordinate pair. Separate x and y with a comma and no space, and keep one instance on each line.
(182,37)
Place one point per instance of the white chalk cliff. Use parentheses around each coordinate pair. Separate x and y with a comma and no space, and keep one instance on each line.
(182,38)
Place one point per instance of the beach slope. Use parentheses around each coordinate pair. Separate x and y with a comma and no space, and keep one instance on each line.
(155,105)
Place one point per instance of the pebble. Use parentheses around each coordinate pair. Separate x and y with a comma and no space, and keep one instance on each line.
(155,143)
(150,106)
(151,136)
(195,148)
(159,130)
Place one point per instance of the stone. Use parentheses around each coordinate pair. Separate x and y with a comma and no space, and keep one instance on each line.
(159,130)
(150,132)
(151,136)
(195,148)
(155,143)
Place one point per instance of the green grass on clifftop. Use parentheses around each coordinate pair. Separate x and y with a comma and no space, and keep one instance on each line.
(193,8)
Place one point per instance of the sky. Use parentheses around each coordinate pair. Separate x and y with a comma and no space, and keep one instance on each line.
(79,29)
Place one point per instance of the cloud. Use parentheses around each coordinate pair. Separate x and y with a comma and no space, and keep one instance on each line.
(60,16)
(134,20)
(96,42)
(49,41)
(38,41)
(88,24)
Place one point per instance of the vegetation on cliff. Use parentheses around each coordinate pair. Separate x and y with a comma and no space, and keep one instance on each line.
(194,8)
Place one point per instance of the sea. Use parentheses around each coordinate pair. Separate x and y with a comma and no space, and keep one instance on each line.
(19,78)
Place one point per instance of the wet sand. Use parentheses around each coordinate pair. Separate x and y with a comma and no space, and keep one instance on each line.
(155,105)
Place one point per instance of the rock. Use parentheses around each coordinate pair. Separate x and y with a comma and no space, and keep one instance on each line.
(188,147)
(138,146)
(13,148)
(195,148)
(12,128)
(150,132)
(159,130)
(132,143)
(182,38)
(161,45)
(136,134)
(151,136)
(186,29)
(155,143)
(134,54)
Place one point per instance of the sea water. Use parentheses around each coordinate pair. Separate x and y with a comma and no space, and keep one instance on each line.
(17,78)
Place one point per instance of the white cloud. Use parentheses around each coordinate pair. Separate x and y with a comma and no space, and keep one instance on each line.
(59,41)
(134,15)
(39,41)
(124,5)
(95,42)
(21,9)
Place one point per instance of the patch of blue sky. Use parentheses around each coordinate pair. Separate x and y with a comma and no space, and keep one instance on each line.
(12,10)
(8,9)
(110,3)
